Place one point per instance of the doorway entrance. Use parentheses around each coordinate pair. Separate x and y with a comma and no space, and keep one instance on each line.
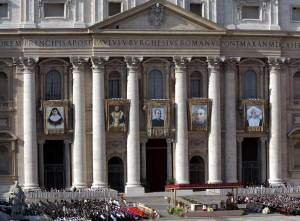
(197,170)
(156,164)
(251,168)
(116,174)
(54,174)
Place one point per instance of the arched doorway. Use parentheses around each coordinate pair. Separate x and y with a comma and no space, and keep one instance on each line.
(156,164)
(197,170)
(116,174)
(251,168)
(54,173)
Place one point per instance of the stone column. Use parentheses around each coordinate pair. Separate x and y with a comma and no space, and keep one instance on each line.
(230,122)
(240,158)
(263,158)
(67,161)
(275,176)
(214,139)
(144,159)
(169,159)
(181,140)
(99,141)
(29,124)
(79,148)
(41,162)
(133,186)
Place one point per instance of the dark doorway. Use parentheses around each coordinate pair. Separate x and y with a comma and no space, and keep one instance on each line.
(251,161)
(54,176)
(156,164)
(197,170)
(116,174)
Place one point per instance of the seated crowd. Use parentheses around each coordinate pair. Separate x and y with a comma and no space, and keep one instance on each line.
(281,203)
(93,210)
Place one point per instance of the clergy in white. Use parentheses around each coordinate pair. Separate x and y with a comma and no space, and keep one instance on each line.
(254,116)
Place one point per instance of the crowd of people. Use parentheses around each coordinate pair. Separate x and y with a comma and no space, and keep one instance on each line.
(93,210)
(282,203)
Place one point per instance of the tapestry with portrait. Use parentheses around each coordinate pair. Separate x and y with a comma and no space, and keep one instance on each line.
(199,114)
(117,115)
(158,117)
(254,115)
(55,117)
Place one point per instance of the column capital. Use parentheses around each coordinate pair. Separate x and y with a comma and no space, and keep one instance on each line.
(78,62)
(276,62)
(41,142)
(181,62)
(26,63)
(240,139)
(99,61)
(214,62)
(143,141)
(231,63)
(169,140)
(67,141)
(133,63)
(263,139)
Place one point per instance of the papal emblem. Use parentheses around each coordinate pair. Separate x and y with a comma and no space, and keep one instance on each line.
(156,15)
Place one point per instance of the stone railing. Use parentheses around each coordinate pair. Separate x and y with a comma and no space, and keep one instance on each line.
(7,106)
(269,190)
(68,196)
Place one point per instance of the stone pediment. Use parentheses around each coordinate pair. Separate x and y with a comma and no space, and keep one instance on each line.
(157,15)
(294,133)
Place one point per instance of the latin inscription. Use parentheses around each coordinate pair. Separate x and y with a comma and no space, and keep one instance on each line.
(198,43)
(156,43)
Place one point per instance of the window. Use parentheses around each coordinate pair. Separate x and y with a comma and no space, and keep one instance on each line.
(3,10)
(155,86)
(250,12)
(296,14)
(196,9)
(5,157)
(3,87)
(114,8)
(114,85)
(296,87)
(196,87)
(53,85)
(250,84)
(53,10)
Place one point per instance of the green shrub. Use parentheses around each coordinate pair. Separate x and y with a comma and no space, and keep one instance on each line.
(176,211)
(170,181)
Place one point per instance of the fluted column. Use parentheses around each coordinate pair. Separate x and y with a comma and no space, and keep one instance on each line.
(67,162)
(240,158)
(79,143)
(29,124)
(263,159)
(133,185)
(41,162)
(99,143)
(181,140)
(214,139)
(230,121)
(275,174)
(144,160)
(169,159)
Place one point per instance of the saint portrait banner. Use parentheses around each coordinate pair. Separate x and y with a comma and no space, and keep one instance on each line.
(117,115)
(199,114)
(158,117)
(55,117)
(254,115)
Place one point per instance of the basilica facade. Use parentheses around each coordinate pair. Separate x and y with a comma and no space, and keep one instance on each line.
(136,94)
